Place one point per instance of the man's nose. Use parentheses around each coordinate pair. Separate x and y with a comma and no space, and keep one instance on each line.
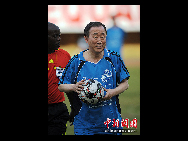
(99,42)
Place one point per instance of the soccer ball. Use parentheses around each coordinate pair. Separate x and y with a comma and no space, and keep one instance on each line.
(92,92)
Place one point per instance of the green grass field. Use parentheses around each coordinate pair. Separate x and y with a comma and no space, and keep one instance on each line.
(129,99)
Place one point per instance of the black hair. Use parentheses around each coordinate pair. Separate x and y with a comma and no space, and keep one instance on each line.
(93,24)
(52,26)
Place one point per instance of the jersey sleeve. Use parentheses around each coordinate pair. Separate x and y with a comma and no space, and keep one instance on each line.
(63,58)
(121,70)
(68,75)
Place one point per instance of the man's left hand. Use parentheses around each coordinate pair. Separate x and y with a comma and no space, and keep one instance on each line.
(109,94)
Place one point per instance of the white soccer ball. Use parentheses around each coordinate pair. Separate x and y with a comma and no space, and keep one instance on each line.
(92,92)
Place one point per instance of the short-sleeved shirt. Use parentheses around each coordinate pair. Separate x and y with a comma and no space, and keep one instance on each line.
(56,62)
(109,71)
(115,39)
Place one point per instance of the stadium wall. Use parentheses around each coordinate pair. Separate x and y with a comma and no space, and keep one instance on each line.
(132,37)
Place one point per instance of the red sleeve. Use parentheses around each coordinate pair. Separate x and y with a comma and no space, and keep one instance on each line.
(63,58)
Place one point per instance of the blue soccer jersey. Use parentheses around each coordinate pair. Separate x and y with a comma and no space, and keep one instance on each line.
(109,71)
(115,39)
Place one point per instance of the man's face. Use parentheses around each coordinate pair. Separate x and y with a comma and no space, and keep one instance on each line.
(96,39)
(53,40)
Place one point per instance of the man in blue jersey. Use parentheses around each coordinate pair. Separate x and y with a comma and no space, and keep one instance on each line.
(105,66)
(115,38)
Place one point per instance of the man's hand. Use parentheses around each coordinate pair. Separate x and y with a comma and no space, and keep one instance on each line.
(72,87)
(78,86)
(112,92)
(109,94)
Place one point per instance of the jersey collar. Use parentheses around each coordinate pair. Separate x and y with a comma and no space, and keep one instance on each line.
(106,54)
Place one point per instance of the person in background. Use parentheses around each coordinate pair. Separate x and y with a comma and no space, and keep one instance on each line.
(82,43)
(115,38)
(57,60)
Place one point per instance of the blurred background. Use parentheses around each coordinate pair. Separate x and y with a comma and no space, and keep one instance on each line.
(123,36)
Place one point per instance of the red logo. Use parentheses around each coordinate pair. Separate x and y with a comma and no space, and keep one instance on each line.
(107,122)
(124,123)
(133,123)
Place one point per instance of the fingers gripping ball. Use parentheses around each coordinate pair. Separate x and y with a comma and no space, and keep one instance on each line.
(92,92)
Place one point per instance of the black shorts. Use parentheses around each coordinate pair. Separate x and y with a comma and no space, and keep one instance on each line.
(57,118)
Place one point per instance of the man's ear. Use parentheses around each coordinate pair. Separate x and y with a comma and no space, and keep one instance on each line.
(86,39)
